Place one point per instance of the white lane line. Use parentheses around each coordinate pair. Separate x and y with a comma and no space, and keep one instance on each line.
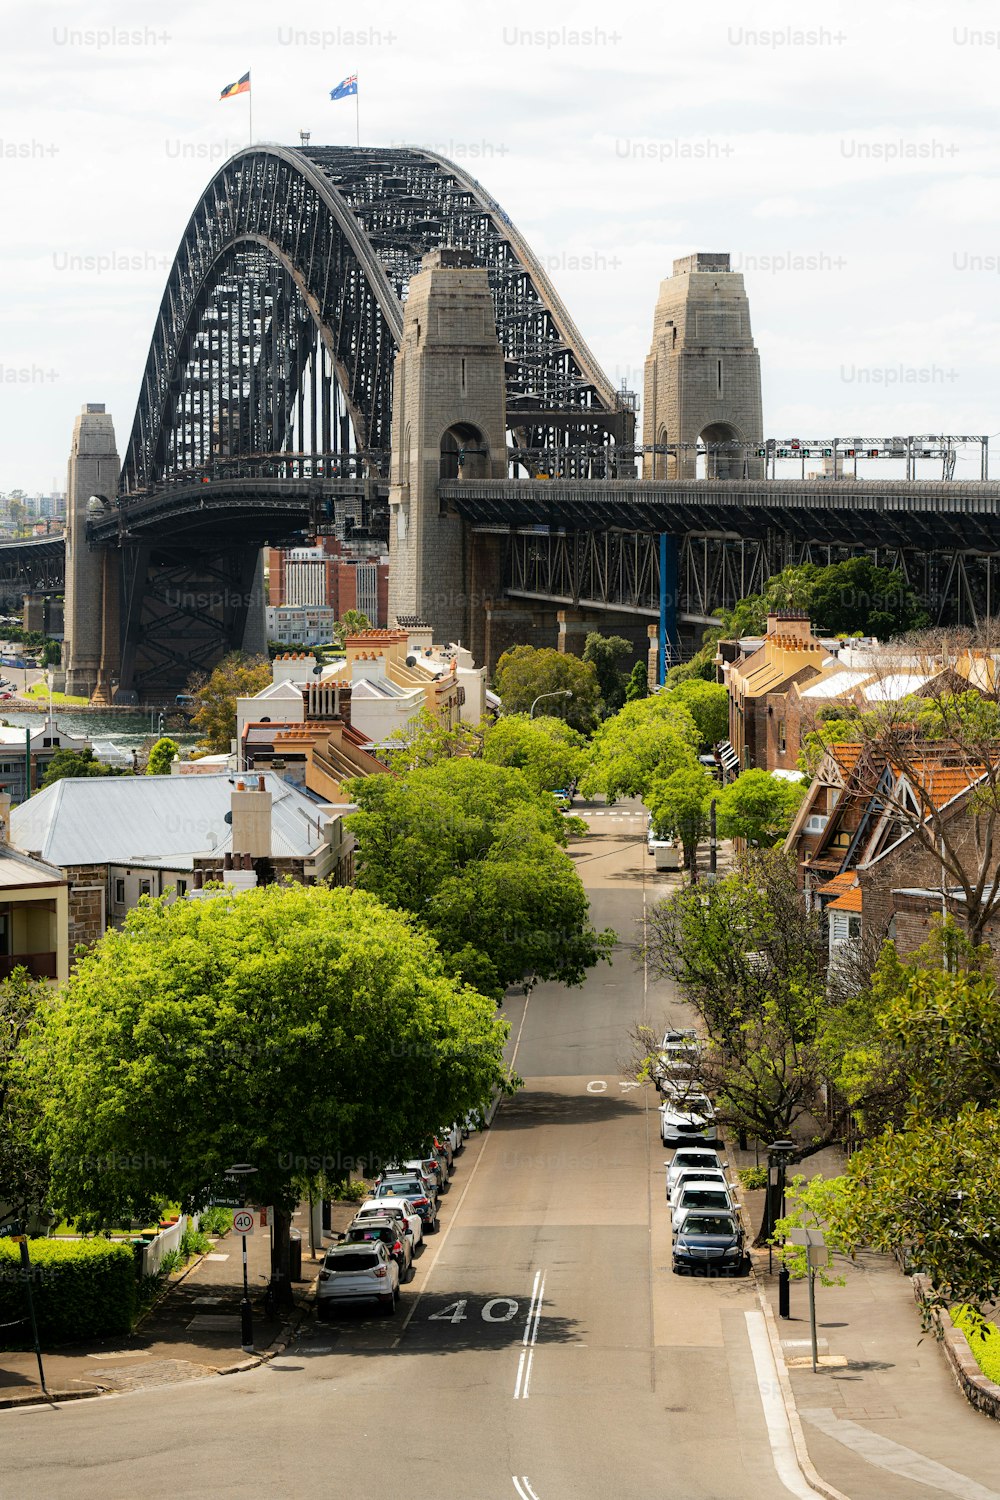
(527,1334)
(894,1457)
(517,1043)
(779,1434)
(527,1493)
(531,1346)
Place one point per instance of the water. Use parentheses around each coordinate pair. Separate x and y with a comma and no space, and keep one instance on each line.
(126,727)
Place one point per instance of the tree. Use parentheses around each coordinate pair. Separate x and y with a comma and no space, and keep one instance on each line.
(608,653)
(758,807)
(351,622)
(524,673)
(751,961)
(474,854)
(649,737)
(236,676)
(708,705)
(23,1164)
(678,804)
(425,740)
(853,597)
(638,683)
(550,753)
(161,757)
(303,1030)
(76,763)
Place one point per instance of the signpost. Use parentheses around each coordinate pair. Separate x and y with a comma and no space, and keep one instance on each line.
(814,1241)
(22,1245)
(243,1225)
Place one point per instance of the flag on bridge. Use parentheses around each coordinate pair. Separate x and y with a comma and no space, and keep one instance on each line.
(232,89)
(346,88)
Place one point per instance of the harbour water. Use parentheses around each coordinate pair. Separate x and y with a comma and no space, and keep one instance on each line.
(129,728)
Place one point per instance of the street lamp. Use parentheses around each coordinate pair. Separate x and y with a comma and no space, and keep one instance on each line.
(558,693)
(244,1169)
(778,1155)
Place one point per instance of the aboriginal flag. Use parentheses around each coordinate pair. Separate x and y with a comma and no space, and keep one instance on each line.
(242,87)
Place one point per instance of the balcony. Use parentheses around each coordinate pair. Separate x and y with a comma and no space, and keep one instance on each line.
(38,965)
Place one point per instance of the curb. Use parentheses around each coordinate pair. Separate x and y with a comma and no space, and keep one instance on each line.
(980,1392)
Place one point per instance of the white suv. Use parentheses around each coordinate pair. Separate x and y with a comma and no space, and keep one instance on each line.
(357,1273)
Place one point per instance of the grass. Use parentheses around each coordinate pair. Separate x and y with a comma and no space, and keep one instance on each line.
(985,1351)
(40,693)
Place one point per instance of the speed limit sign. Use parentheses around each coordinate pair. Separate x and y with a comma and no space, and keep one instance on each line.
(243,1221)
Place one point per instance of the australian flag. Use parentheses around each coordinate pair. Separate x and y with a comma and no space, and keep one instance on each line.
(349,86)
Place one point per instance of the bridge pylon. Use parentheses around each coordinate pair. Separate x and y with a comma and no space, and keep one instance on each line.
(91,647)
(448,422)
(702,379)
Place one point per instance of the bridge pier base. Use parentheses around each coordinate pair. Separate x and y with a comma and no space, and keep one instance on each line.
(93,471)
(511,622)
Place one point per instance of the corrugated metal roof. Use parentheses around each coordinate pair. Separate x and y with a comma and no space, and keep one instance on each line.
(19,872)
(122,820)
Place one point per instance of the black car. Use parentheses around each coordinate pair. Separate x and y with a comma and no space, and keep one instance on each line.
(708,1241)
(391,1234)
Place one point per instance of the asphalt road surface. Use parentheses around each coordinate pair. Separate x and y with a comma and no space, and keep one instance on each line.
(543,1350)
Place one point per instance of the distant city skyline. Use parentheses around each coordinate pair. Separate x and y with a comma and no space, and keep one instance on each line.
(848,166)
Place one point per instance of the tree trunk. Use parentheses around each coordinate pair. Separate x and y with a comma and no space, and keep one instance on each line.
(281,1280)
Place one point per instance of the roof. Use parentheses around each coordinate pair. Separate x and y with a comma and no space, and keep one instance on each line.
(127,819)
(897,685)
(849,901)
(846,754)
(18,872)
(834,684)
(839,884)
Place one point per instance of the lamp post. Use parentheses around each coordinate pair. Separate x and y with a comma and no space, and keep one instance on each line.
(778,1154)
(558,693)
(243,1169)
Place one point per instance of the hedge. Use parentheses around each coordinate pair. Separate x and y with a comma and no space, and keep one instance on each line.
(983,1341)
(82,1289)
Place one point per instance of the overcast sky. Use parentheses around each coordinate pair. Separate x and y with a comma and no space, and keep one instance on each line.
(856,144)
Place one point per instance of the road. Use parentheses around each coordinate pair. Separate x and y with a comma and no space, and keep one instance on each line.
(544,1349)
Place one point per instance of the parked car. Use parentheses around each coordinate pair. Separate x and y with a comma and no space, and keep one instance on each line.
(690,1156)
(443,1148)
(357,1273)
(696,1174)
(399,1208)
(454,1135)
(687,1117)
(430,1166)
(413,1190)
(713,1196)
(429,1180)
(708,1240)
(389,1231)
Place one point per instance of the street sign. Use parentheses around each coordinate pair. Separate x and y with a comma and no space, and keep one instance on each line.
(243,1221)
(225,1203)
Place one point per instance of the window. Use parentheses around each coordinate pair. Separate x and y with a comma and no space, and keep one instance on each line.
(815,823)
(120,891)
(182,886)
(144,888)
(782,744)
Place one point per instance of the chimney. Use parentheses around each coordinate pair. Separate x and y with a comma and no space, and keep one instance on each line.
(252,820)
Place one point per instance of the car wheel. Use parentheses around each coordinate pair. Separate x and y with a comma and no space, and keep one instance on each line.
(436,1227)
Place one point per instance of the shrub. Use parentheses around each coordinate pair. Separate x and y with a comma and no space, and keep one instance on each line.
(984,1340)
(170,1261)
(82,1289)
(352,1192)
(194,1242)
(752,1177)
(216,1220)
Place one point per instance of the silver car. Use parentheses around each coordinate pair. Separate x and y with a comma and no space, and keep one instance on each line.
(357,1273)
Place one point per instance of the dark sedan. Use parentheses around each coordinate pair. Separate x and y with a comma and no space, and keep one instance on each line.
(708,1241)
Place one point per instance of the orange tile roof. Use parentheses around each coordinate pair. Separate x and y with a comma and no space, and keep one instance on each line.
(849,901)
(942,783)
(846,754)
(838,884)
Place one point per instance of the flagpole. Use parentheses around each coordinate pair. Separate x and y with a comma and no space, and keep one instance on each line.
(357,112)
(250,105)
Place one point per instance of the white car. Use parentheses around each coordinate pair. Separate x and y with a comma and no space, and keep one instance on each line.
(357,1273)
(713,1175)
(401,1208)
(690,1156)
(715,1197)
(454,1136)
(687,1117)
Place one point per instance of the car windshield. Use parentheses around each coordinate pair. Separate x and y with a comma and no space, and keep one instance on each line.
(693,1104)
(401,1189)
(702,1197)
(356,1260)
(688,1163)
(708,1224)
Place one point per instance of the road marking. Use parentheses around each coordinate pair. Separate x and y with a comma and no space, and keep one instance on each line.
(894,1457)
(527,1493)
(779,1433)
(596,1086)
(524,1364)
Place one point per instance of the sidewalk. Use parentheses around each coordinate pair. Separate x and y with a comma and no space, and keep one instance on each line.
(191,1333)
(883,1418)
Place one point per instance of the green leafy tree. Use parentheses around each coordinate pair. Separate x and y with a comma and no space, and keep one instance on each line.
(609,653)
(75,763)
(678,804)
(161,757)
(758,807)
(708,705)
(474,854)
(650,737)
(550,753)
(236,676)
(23,1163)
(524,673)
(351,622)
(303,1030)
(638,683)
(425,740)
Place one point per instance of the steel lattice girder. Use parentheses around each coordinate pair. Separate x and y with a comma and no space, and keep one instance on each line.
(297,261)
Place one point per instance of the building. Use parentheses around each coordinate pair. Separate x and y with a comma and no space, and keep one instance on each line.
(34,912)
(21,747)
(300,624)
(331,574)
(117,839)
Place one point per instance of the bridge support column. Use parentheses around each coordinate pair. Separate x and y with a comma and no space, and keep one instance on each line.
(574,628)
(509,622)
(448,422)
(110,667)
(33,615)
(93,471)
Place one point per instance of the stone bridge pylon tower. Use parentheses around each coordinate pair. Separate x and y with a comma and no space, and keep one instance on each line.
(702,378)
(449,421)
(91,650)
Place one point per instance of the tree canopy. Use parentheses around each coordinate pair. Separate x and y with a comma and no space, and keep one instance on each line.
(161,757)
(236,676)
(758,807)
(302,1030)
(524,673)
(609,653)
(77,763)
(649,737)
(23,1161)
(547,750)
(475,855)
(638,683)
(678,805)
(351,622)
(708,705)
